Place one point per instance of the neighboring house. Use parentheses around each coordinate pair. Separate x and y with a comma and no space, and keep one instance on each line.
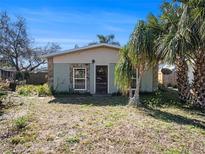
(7,73)
(90,69)
(171,79)
(167,79)
(38,76)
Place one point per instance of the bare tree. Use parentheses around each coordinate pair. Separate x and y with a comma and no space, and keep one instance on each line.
(34,60)
(16,46)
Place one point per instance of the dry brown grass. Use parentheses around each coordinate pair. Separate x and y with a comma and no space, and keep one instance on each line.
(4,86)
(93,125)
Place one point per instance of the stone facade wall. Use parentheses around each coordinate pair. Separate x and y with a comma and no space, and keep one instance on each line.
(50,72)
(87,66)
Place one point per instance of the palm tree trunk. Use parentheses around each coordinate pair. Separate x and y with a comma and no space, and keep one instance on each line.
(182,79)
(198,86)
(135,100)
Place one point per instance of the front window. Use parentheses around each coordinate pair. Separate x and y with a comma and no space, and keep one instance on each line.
(133,82)
(79,78)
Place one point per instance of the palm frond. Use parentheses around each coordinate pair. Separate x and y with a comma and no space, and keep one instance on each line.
(141,44)
(123,70)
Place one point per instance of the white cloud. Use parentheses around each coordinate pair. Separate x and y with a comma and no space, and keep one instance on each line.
(64,43)
(62,40)
(80,27)
(77,17)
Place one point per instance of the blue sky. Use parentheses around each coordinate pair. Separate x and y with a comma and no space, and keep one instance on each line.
(70,22)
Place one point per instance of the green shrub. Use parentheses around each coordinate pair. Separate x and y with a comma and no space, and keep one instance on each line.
(30,90)
(26,90)
(161,98)
(73,139)
(21,122)
(43,90)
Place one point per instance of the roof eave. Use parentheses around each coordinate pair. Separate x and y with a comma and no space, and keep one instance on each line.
(79,49)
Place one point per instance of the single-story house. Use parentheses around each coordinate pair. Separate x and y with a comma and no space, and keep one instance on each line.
(7,73)
(91,69)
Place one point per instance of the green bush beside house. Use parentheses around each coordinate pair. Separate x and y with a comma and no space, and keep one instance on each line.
(31,90)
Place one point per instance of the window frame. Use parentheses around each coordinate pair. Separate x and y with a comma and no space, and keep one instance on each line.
(85,78)
(134,78)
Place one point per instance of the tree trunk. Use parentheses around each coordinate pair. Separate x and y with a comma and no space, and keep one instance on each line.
(198,86)
(17,64)
(182,79)
(135,100)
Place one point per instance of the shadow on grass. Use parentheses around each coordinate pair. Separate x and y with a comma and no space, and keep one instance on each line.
(169,98)
(170,117)
(194,110)
(162,98)
(91,100)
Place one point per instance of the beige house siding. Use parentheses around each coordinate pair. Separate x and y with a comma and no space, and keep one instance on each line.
(100,55)
(61,80)
(112,86)
(147,81)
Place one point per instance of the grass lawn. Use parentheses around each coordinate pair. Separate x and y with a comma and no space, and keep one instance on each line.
(102,124)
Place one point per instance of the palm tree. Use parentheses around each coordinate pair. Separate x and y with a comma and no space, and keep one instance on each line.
(124,71)
(142,52)
(172,48)
(109,39)
(193,31)
(105,38)
(198,29)
(137,57)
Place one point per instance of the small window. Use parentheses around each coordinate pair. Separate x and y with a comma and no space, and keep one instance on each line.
(79,78)
(133,82)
